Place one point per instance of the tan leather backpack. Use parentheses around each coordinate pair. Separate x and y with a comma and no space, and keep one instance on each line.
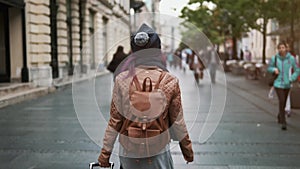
(145,132)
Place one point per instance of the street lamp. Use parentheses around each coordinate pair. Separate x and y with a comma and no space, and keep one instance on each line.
(136,6)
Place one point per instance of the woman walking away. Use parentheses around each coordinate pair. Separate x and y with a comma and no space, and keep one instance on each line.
(284,62)
(144,116)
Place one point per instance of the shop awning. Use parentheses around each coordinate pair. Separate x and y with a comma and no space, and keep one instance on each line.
(14,3)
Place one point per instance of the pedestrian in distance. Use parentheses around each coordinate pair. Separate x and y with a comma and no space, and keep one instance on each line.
(177,58)
(272,90)
(248,55)
(197,66)
(282,84)
(170,59)
(118,57)
(212,61)
(184,59)
(144,135)
(241,54)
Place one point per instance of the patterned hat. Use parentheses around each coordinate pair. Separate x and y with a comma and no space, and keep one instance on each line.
(145,38)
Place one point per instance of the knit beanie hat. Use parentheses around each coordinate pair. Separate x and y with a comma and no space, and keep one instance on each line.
(145,38)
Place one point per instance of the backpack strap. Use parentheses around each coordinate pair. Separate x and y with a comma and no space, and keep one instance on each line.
(162,75)
(145,84)
(137,84)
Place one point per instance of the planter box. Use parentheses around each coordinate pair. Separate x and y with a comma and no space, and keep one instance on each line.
(295,97)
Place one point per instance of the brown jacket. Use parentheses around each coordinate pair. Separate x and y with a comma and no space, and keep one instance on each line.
(119,111)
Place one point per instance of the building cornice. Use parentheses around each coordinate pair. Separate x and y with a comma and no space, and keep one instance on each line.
(107,4)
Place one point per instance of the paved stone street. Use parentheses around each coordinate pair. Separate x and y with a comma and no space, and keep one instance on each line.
(45,133)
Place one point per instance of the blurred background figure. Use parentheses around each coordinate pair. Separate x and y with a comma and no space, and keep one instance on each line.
(248,55)
(177,59)
(170,60)
(197,66)
(184,59)
(241,54)
(212,61)
(118,57)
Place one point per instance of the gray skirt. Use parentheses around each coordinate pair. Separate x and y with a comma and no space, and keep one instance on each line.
(160,161)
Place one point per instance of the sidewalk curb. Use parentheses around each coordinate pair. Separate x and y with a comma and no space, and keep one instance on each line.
(33,93)
(25,95)
(78,80)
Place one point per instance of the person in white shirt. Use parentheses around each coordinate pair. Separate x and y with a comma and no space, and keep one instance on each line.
(212,60)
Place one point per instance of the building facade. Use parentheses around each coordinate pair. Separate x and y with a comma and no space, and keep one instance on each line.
(51,38)
(283,31)
(148,13)
(12,40)
(254,42)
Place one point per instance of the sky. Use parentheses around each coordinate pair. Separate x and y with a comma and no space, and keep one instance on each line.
(168,6)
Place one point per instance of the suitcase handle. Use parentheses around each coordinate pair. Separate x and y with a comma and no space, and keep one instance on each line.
(96,164)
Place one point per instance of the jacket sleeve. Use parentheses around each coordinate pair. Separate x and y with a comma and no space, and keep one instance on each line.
(177,125)
(296,73)
(272,67)
(113,128)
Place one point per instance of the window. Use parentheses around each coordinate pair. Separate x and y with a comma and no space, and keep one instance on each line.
(92,41)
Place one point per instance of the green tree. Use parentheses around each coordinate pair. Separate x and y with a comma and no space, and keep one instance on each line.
(266,10)
(284,11)
(287,13)
(205,20)
(230,17)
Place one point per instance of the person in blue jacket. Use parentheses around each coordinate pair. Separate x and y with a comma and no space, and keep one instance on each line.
(284,62)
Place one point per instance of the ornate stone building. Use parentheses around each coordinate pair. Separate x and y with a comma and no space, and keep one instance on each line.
(12,41)
(42,40)
(253,41)
(147,13)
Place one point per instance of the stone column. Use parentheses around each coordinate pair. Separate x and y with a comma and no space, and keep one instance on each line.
(76,34)
(39,42)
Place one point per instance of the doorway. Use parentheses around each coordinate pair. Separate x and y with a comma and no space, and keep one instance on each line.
(4,45)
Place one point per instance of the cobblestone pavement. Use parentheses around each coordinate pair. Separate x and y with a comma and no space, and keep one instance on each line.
(45,133)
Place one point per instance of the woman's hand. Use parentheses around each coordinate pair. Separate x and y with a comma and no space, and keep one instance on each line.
(104,158)
(104,165)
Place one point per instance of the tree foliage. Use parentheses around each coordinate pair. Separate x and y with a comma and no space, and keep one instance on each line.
(233,18)
(229,18)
